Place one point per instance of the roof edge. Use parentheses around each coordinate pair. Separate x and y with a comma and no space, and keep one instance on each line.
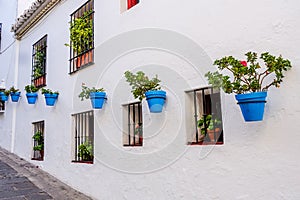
(32,16)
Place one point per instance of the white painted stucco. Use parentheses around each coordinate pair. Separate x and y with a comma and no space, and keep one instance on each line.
(178,41)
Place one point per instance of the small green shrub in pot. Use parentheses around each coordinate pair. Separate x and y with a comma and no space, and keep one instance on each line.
(143,87)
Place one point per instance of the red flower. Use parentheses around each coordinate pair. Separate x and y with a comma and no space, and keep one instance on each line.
(244,63)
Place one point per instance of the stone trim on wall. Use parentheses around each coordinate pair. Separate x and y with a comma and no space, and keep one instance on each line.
(31,16)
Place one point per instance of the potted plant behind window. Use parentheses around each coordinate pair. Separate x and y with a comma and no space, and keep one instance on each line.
(4,95)
(31,93)
(143,87)
(247,80)
(39,143)
(50,96)
(209,126)
(38,68)
(85,152)
(14,94)
(96,95)
(81,38)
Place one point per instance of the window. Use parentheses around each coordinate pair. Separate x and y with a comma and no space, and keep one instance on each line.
(39,63)
(82,37)
(2,106)
(131,3)
(38,140)
(83,137)
(127,4)
(0,35)
(207,117)
(134,125)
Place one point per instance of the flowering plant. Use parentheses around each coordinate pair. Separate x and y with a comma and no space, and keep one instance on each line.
(248,76)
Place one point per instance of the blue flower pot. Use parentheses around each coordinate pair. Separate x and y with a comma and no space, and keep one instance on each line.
(3,97)
(50,99)
(15,96)
(156,100)
(31,97)
(97,99)
(252,105)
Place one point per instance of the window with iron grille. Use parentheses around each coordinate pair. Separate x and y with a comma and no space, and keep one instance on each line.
(39,53)
(131,3)
(83,137)
(0,34)
(127,4)
(134,122)
(82,37)
(38,140)
(207,117)
(2,106)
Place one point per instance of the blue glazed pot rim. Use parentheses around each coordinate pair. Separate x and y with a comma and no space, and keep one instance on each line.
(155,92)
(50,95)
(251,95)
(31,94)
(15,93)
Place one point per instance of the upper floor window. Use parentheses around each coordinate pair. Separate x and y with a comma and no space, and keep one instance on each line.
(2,106)
(127,4)
(133,134)
(83,143)
(206,117)
(39,52)
(131,3)
(0,35)
(82,37)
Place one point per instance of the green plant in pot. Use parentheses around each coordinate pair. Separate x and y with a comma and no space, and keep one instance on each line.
(143,87)
(4,95)
(139,132)
(38,66)
(248,79)
(14,94)
(96,95)
(39,143)
(50,96)
(81,37)
(85,151)
(31,93)
(209,125)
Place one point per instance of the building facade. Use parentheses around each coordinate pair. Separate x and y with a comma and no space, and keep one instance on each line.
(123,151)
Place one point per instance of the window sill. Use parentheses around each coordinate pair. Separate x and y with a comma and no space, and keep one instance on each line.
(37,159)
(82,67)
(205,143)
(84,162)
(136,145)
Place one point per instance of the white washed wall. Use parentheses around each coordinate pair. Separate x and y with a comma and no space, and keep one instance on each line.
(178,41)
(7,67)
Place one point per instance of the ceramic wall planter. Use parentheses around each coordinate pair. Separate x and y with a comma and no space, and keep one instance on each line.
(156,100)
(31,97)
(15,96)
(50,99)
(3,97)
(252,105)
(97,99)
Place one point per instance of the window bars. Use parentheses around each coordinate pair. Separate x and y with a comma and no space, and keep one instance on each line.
(84,137)
(39,52)
(134,134)
(2,106)
(0,35)
(82,45)
(38,141)
(131,3)
(207,116)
